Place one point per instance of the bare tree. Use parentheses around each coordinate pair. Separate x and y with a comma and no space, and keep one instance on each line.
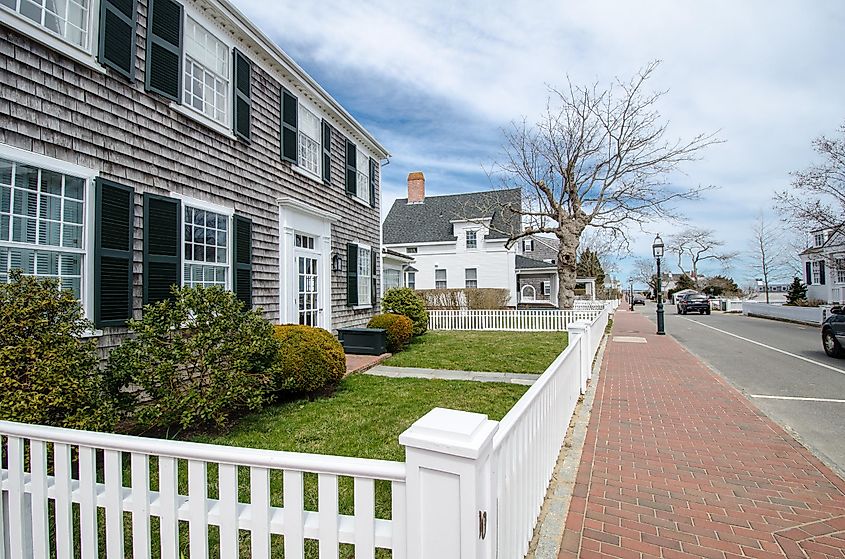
(816,199)
(644,271)
(769,254)
(596,158)
(696,246)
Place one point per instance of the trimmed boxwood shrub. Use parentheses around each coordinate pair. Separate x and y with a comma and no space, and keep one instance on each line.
(405,301)
(399,329)
(310,360)
(48,371)
(197,358)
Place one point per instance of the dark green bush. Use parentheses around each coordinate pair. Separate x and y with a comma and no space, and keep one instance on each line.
(48,372)
(310,360)
(405,301)
(399,329)
(197,358)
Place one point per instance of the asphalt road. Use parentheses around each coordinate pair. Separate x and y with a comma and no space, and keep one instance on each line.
(793,366)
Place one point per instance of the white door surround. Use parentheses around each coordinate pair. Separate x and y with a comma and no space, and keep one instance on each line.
(298,218)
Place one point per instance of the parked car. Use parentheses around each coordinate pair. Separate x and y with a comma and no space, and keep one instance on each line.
(833,332)
(639,300)
(693,302)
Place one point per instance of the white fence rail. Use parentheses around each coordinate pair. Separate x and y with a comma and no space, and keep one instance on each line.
(808,315)
(528,320)
(470,488)
(178,491)
(597,305)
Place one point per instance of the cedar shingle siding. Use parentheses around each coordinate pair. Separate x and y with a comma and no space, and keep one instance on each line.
(54,106)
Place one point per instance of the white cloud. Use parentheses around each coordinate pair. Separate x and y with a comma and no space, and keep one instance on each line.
(768,74)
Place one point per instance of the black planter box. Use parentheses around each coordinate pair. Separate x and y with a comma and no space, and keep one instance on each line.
(363,341)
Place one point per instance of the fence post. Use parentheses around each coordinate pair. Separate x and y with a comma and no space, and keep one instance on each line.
(450,486)
(576,330)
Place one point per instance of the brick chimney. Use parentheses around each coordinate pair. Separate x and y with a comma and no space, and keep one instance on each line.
(416,187)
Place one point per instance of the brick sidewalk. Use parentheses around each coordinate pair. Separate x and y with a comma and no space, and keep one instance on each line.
(678,464)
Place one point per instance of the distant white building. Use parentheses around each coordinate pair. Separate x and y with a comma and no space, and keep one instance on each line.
(823,264)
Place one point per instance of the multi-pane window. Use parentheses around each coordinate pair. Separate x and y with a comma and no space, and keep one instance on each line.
(365,276)
(206,246)
(362,187)
(411,278)
(42,218)
(547,287)
(817,272)
(69,19)
(303,241)
(392,278)
(818,239)
(411,250)
(309,140)
(527,245)
(472,240)
(440,279)
(471,278)
(840,270)
(206,72)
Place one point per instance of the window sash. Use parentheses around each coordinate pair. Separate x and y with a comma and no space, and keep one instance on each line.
(472,239)
(392,278)
(310,148)
(43,229)
(412,280)
(364,276)
(206,248)
(440,280)
(206,72)
(70,20)
(817,276)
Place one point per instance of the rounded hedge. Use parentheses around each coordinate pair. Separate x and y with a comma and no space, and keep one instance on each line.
(310,359)
(405,301)
(399,328)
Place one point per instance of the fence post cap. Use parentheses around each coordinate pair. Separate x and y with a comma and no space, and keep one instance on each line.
(459,433)
(578,325)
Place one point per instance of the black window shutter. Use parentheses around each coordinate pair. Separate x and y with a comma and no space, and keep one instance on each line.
(117,36)
(351,274)
(821,272)
(114,226)
(373,283)
(243,260)
(242,100)
(162,246)
(373,180)
(351,168)
(327,153)
(809,273)
(290,109)
(164,49)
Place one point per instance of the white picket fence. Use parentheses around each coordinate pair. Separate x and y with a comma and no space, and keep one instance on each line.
(596,305)
(523,320)
(470,488)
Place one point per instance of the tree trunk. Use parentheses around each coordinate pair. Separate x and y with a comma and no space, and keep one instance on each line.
(567,268)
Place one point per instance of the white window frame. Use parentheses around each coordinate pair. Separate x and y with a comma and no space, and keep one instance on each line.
(816,273)
(467,279)
(840,270)
(222,37)
(396,277)
(411,280)
(818,239)
(24,157)
(411,250)
(474,239)
(195,203)
(445,279)
(528,245)
(546,287)
(300,134)
(362,177)
(365,282)
(86,54)
(523,293)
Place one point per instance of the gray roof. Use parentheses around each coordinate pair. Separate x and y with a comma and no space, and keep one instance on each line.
(430,221)
(524,263)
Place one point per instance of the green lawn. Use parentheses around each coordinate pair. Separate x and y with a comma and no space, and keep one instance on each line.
(504,352)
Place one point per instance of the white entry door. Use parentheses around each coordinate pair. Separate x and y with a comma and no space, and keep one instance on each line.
(308,284)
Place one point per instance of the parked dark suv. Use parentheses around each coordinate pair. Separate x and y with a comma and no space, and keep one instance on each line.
(833,332)
(694,302)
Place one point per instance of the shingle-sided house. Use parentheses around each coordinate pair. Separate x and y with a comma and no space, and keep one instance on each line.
(152,143)
(823,263)
(457,240)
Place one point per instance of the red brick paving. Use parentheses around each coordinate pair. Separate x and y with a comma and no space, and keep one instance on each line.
(678,464)
(360,363)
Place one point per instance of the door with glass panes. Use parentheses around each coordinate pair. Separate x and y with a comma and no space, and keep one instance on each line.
(307,265)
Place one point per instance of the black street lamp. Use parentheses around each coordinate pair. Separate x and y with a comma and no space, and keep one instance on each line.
(631,294)
(657,249)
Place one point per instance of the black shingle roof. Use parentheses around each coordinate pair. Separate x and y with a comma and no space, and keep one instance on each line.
(430,221)
(524,263)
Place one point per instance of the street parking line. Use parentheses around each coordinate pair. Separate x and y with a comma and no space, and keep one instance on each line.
(798,398)
(777,349)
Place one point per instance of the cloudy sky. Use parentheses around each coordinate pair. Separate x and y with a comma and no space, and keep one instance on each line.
(436,82)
